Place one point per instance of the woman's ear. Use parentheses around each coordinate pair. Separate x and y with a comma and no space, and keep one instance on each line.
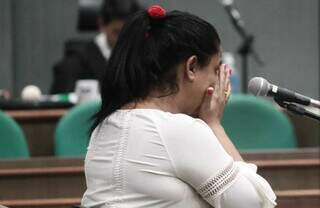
(191,67)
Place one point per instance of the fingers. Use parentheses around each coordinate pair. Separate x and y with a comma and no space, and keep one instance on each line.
(227,79)
(229,88)
(208,96)
(228,92)
(223,81)
(217,87)
(217,96)
(222,78)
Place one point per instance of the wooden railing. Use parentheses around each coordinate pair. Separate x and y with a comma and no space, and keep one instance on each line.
(60,182)
(285,199)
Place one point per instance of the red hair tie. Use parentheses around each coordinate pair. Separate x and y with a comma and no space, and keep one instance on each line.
(156,12)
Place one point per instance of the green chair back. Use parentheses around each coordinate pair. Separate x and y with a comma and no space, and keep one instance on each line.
(255,123)
(13,143)
(72,132)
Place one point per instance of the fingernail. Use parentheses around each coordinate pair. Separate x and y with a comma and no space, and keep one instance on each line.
(210,91)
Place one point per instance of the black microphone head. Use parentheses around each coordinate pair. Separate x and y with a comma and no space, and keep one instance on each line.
(258,86)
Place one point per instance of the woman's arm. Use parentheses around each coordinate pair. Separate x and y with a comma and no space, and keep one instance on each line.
(248,189)
(225,141)
(212,108)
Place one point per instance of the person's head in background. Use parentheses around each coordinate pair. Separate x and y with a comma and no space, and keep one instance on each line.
(173,58)
(113,14)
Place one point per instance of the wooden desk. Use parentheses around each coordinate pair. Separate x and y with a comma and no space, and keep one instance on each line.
(308,198)
(285,199)
(64,177)
(39,127)
(288,169)
(32,115)
(41,178)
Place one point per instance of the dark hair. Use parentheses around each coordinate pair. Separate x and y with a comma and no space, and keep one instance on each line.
(118,9)
(147,53)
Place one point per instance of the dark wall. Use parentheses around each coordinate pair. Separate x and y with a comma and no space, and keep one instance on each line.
(287,38)
(40,29)
(6,69)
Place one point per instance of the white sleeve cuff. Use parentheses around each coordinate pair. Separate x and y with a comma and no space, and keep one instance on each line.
(263,188)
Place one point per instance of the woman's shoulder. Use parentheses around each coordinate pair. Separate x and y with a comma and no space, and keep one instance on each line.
(164,116)
(173,122)
(164,121)
(182,120)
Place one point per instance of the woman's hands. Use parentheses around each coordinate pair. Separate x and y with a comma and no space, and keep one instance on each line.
(216,97)
(212,108)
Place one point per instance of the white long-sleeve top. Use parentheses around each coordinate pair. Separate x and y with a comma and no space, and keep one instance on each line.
(153,159)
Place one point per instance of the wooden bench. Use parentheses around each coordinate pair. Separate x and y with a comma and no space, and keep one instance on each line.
(64,177)
(285,199)
(298,198)
(41,203)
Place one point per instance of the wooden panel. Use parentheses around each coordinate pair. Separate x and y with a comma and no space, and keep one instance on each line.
(58,177)
(39,127)
(42,171)
(286,169)
(307,130)
(285,199)
(40,136)
(291,174)
(39,162)
(298,198)
(52,203)
(300,153)
(54,182)
(303,153)
(31,115)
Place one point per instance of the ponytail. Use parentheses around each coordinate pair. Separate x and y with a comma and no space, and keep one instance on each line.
(150,46)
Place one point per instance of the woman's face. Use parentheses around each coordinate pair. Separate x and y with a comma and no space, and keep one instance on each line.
(198,79)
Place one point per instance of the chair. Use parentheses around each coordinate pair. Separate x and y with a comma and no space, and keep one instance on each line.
(72,132)
(255,123)
(13,143)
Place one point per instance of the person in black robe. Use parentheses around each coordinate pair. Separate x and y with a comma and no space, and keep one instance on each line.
(88,59)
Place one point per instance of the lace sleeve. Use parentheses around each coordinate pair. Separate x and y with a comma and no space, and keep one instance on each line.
(215,185)
(238,185)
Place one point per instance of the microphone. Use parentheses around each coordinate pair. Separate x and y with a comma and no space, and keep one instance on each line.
(261,87)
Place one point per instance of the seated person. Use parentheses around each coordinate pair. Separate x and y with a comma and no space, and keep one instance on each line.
(146,149)
(90,61)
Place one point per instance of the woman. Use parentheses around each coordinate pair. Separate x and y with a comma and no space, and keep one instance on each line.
(157,140)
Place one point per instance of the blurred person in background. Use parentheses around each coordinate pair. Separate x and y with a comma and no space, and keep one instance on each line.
(90,62)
